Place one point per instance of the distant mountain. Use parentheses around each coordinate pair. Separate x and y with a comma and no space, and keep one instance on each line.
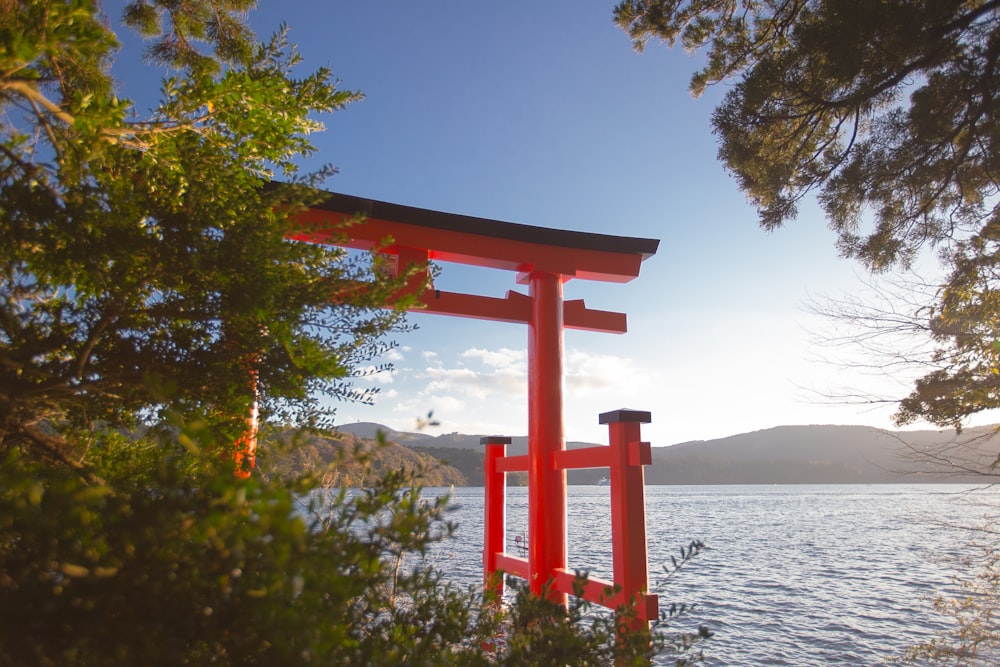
(780,455)
(826,455)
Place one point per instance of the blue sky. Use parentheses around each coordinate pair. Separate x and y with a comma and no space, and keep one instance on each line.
(541,113)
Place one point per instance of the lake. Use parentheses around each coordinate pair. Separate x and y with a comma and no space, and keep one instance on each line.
(793,575)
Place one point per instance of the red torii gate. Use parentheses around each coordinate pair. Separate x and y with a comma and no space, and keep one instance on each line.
(544,259)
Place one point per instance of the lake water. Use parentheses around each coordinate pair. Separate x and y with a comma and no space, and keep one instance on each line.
(793,575)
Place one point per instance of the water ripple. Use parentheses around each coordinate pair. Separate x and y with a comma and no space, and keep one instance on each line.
(794,575)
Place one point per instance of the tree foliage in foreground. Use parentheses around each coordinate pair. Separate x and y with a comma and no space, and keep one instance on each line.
(172,561)
(974,638)
(886,110)
(176,565)
(144,270)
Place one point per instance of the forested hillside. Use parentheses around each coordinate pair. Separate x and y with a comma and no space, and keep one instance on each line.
(341,461)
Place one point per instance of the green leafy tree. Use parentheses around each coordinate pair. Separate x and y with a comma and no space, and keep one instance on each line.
(170,560)
(145,270)
(169,564)
(887,112)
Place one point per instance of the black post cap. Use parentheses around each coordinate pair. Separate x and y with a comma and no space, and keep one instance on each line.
(625,415)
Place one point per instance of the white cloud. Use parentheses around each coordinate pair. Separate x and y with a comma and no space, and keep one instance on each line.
(504,358)
(501,372)
(504,375)
(480,390)
(373,374)
(429,354)
(421,405)
(587,374)
(476,383)
(394,354)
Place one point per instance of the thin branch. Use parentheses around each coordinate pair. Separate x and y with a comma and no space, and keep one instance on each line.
(55,448)
(128,136)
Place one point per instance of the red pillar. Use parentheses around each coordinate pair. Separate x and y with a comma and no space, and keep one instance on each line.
(494,516)
(628,505)
(546,484)
(245,456)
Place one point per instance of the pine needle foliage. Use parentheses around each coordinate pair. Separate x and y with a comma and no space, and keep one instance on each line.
(886,112)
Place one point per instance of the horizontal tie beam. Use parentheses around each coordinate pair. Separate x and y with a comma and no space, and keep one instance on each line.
(602,592)
(516,307)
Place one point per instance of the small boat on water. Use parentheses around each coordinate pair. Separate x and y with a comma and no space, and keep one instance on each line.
(604,481)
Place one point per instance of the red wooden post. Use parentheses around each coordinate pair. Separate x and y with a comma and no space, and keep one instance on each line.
(245,453)
(546,483)
(628,505)
(245,456)
(494,516)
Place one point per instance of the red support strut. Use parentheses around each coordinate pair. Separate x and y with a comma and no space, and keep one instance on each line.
(494,521)
(628,507)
